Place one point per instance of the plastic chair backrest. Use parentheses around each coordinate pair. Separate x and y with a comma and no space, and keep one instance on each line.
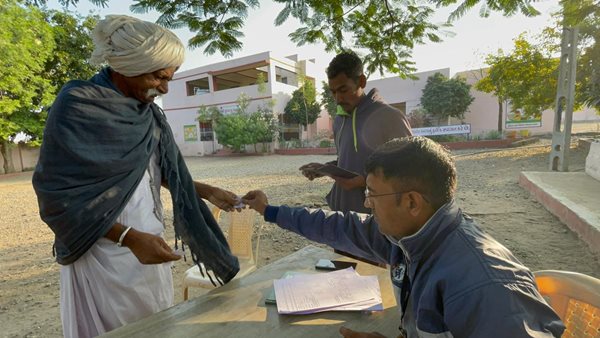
(239,232)
(576,299)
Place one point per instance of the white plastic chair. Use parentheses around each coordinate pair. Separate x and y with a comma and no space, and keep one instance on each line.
(575,297)
(239,237)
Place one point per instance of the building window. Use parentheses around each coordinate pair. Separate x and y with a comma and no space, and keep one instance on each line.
(286,76)
(206,131)
(197,87)
(241,77)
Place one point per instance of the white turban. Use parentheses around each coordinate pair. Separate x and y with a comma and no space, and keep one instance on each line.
(134,47)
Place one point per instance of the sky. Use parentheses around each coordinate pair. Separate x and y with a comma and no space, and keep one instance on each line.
(471,39)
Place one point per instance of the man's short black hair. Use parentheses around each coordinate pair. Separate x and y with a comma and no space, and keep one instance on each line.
(346,62)
(419,164)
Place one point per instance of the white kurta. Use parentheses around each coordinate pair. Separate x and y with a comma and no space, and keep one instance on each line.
(108,287)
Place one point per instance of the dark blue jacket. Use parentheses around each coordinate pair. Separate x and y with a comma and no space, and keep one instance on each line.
(464,283)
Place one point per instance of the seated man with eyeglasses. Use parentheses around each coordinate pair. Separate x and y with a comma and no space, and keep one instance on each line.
(450,278)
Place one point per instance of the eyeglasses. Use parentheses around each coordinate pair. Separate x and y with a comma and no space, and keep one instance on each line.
(368,195)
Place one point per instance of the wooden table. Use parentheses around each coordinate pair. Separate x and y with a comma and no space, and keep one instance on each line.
(238,309)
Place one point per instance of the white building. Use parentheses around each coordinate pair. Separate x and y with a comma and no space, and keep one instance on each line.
(219,85)
(405,94)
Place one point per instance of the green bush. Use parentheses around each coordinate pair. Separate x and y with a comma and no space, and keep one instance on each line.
(325,144)
(493,135)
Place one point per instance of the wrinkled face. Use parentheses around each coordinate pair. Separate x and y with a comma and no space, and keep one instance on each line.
(346,91)
(147,87)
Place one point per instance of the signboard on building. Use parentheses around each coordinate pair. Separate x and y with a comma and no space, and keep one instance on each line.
(229,109)
(443,130)
(190,133)
(517,119)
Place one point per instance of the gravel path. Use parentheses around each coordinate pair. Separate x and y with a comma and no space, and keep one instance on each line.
(488,190)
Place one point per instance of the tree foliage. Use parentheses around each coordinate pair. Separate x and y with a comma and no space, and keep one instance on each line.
(328,100)
(527,77)
(72,36)
(242,127)
(443,97)
(303,108)
(39,53)
(26,42)
(585,14)
(386,30)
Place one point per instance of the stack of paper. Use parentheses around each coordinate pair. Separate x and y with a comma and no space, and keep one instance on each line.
(342,290)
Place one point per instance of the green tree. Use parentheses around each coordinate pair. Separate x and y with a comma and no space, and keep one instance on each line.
(243,127)
(387,30)
(527,77)
(26,43)
(444,98)
(303,108)
(328,100)
(232,130)
(585,14)
(72,36)
(68,61)
(263,127)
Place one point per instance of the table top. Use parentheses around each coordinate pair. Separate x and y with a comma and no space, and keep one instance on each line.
(238,308)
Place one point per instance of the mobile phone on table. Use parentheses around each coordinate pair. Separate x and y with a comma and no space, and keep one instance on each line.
(326,264)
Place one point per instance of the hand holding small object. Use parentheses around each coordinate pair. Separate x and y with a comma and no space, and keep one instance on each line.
(240,205)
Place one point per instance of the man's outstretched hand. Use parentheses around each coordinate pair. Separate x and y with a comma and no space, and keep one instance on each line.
(308,170)
(257,200)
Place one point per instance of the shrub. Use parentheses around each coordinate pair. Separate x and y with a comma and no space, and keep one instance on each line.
(493,135)
(325,144)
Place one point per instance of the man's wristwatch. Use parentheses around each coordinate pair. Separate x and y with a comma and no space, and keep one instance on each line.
(122,237)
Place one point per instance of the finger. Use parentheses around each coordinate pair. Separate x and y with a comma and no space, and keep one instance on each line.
(249,195)
(172,257)
(166,253)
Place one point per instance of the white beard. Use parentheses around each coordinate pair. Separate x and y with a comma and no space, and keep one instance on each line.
(152,92)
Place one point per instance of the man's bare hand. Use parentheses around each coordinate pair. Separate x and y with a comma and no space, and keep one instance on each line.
(149,248)
(223,199)
(308,170)
(351,183)
(347,333)
(257,200)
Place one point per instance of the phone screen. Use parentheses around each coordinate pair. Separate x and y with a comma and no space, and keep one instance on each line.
(326,264)
(339,265)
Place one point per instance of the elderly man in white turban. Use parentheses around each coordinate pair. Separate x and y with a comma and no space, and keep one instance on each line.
(107,149)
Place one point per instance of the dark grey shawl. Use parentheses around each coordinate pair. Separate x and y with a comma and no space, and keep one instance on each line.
(97,145)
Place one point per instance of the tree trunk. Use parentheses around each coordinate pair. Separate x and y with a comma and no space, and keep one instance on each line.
(7,155)
(500,115)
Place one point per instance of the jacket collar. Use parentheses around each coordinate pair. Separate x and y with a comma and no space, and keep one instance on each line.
(433,232)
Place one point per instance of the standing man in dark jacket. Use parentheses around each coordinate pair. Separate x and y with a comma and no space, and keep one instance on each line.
(450,278)
(363,122)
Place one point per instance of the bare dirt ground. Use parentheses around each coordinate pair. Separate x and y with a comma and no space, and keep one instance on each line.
(488,190)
